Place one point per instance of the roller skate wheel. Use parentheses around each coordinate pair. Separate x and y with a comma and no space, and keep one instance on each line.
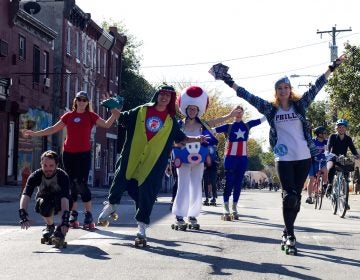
(114,216)
(42,240)
(172,226)
(103,223)
(140,242)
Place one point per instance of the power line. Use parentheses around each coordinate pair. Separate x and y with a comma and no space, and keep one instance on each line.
(239,58)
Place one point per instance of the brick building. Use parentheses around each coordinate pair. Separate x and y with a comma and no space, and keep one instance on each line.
(26,61)
(85,57)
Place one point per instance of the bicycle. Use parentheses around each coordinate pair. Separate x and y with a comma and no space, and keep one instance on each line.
(318,187)
(340,191)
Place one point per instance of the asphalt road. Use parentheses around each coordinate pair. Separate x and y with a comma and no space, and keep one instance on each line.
(245,249)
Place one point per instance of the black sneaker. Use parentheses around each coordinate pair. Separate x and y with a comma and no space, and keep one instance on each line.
(309,200)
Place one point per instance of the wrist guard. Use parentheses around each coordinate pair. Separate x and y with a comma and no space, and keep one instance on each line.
(23,216)
(65,218)
(334,65)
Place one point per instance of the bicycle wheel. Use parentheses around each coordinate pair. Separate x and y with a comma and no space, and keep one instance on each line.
(316,194)
(321,191)
(343,197)
(333,196)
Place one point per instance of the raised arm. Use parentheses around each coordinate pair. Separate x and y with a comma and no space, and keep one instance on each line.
(45,132)
(115,114)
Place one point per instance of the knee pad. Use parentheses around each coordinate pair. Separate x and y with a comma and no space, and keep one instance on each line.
(291,201)
(44,207)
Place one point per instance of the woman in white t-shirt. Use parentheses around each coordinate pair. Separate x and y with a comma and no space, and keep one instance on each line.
(289,138)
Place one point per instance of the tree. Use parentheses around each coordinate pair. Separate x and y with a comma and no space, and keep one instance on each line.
(254,151)
(135,89)
(319,114)
(344,89)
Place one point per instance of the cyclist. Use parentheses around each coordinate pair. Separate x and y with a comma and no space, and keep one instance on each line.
(319,160)
(338,144)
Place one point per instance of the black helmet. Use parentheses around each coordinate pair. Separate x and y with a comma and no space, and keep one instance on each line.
(319,129)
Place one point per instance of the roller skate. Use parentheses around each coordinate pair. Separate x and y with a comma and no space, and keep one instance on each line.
(290,248)
(206,202)
(179,224)
(108,212)
(88,221)
(47,233)
(193,224)
(140,239)
(58,238)
(213,202)
(226,216)
(234,214)
(283,241)
(74,223)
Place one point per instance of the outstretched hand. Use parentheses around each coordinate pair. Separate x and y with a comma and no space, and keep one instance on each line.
(219,72)
(115,102)
(337,62)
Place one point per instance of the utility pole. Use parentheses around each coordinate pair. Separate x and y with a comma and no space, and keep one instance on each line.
(333,46)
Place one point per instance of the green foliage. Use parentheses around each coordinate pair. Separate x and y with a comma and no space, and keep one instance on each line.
(320,114)
(344,88)
(134,88)
(254,155)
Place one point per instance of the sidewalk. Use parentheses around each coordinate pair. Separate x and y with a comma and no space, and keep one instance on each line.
(12,193)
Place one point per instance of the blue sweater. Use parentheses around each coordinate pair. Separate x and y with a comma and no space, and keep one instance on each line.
(269,110)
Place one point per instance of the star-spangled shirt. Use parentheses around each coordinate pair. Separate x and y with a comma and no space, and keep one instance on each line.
(238,134)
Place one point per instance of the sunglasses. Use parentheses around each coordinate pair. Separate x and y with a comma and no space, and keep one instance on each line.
(81,99)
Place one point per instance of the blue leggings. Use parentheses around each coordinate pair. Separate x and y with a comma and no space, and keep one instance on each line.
(235,168)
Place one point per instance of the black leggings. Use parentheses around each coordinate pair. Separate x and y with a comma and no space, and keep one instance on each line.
(77,166)
(292,175)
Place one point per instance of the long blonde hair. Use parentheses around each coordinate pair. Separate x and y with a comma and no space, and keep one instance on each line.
(88,107)
(292,98)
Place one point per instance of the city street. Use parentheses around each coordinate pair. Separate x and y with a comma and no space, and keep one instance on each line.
(245,249)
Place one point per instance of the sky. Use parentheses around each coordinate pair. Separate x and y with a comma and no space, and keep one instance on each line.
(260,40)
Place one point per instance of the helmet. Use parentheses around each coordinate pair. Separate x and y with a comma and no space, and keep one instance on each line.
(319,129)
(342,122)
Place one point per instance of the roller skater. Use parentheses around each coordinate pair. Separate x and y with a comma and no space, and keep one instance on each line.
(88,221)
(180,224)
(140,239)
(74,223)
(52,196)
(206,202)
(234,213)
(47,232)
(191,158)
(193,224)
(226,215)
(108,213)
(76,155)
(290,248)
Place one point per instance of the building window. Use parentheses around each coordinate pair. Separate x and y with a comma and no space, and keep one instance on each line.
(46,64)
(77,84)
(104,64)
(68,41)
(98,60)
(22,47)
(98,156)
(77,50)
(68,88)
(36,65)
